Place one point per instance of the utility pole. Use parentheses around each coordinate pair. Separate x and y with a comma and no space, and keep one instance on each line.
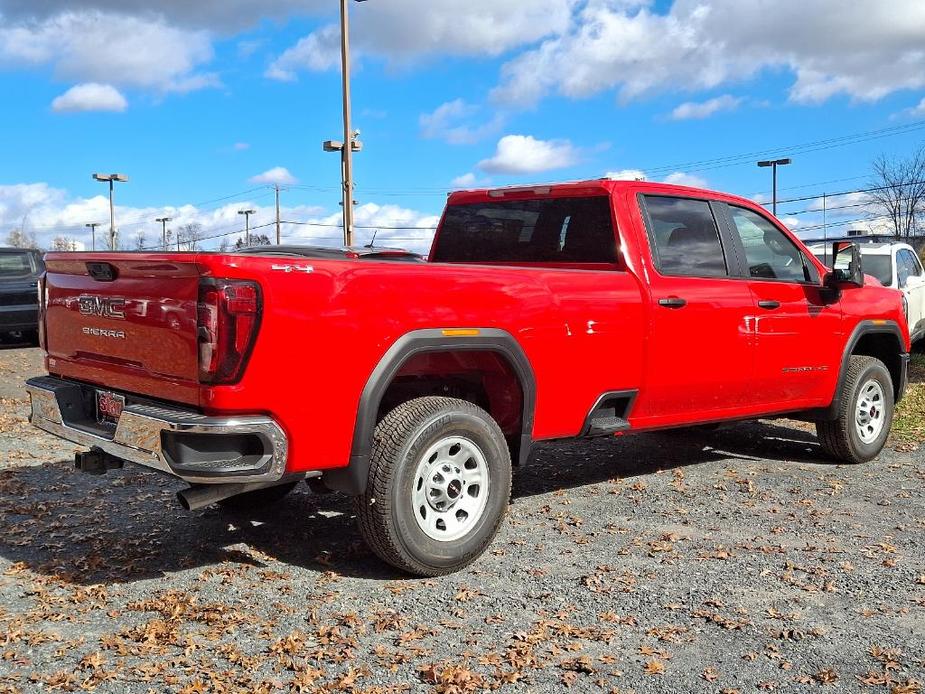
(774,163)
(112,179)
(92,227)
(163,221)
(278,234)
(247,226)
(347,151)
(350,143)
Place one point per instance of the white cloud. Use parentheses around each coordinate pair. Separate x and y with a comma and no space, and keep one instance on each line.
(704,109)
(448,122)
(392,225)
(50,212)
(109,48)
(467,180)
(90,96)
(917,111)
(241,146)
(524,154)
(407,30)
(470,181)
(626,175)
(318,51)
(847,205)
(679,178)
(277,175)
(858,49)
(226,15)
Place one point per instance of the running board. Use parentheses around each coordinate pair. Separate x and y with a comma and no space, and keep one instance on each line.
(603,426)
(610,414)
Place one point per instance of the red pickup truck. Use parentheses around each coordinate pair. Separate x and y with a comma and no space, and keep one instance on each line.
(564,311)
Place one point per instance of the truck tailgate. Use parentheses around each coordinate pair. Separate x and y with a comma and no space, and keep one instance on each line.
(129,323)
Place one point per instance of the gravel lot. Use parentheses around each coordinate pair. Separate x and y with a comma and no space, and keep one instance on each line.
(736,561)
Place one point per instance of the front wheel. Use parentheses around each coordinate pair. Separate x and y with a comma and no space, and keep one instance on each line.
(865,413)
(438,488)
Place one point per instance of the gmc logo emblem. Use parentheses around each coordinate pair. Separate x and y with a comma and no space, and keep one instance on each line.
(102,306)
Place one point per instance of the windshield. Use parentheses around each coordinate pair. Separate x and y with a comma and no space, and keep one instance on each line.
(15,265)
(880,266)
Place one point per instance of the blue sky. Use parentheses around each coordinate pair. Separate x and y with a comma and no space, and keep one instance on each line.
(195,101)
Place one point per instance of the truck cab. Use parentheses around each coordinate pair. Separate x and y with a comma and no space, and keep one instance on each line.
(20,269)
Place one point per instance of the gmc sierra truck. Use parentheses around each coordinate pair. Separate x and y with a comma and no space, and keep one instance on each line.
(586,309)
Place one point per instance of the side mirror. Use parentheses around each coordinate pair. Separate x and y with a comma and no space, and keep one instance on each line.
(846,261)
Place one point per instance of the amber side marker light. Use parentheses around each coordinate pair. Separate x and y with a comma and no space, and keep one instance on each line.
(461,332)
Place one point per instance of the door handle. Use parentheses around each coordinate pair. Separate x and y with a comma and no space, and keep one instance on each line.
(769,304)
(673,302)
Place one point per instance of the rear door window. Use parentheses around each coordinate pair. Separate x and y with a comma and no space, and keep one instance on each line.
(549,230)
(15,265)
(685,237)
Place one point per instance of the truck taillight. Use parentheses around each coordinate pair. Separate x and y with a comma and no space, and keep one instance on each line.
(228,318)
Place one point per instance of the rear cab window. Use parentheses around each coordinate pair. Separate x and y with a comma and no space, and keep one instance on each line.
(684,236)
(15,265)
(569,230)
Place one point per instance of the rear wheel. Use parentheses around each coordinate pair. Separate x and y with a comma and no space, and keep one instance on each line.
(865,413)
(438,488)
(259,498)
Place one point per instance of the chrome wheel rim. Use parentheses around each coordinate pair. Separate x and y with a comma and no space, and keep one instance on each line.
(450,489)
(869,414)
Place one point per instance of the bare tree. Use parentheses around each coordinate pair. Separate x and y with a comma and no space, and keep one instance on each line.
(140,240)
(64,243)
(256,240)
(900,191)
(189,236)
(223,246)
(19,238)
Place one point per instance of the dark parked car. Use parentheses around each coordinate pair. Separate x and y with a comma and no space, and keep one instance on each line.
(20,269)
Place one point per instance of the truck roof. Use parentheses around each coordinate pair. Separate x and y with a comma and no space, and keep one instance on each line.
(598,186)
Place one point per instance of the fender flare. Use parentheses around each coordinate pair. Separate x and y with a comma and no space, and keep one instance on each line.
(352,478)
(868,327)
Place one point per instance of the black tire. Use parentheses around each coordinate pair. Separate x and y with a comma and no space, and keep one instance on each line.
(258,499)
(840,438)
(31,336)
(386,513)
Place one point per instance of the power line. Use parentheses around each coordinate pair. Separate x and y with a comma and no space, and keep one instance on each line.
(360,226)
(818,145)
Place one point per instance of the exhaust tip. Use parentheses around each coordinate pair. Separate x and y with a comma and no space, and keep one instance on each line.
(183,500)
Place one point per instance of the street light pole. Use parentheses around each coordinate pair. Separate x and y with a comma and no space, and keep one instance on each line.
(278,234)
(774,163)
(112,179)
(247,226)
(92,227)
(163,221)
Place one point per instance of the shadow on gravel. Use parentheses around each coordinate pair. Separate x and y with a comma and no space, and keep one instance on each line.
(127,525)
(569,464)
(8,341)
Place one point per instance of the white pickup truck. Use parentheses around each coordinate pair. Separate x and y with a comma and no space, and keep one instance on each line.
(895,265)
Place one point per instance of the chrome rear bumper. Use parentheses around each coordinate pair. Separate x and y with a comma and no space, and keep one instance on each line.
(143,429)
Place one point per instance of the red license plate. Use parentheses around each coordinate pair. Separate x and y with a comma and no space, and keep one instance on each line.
(109,406)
